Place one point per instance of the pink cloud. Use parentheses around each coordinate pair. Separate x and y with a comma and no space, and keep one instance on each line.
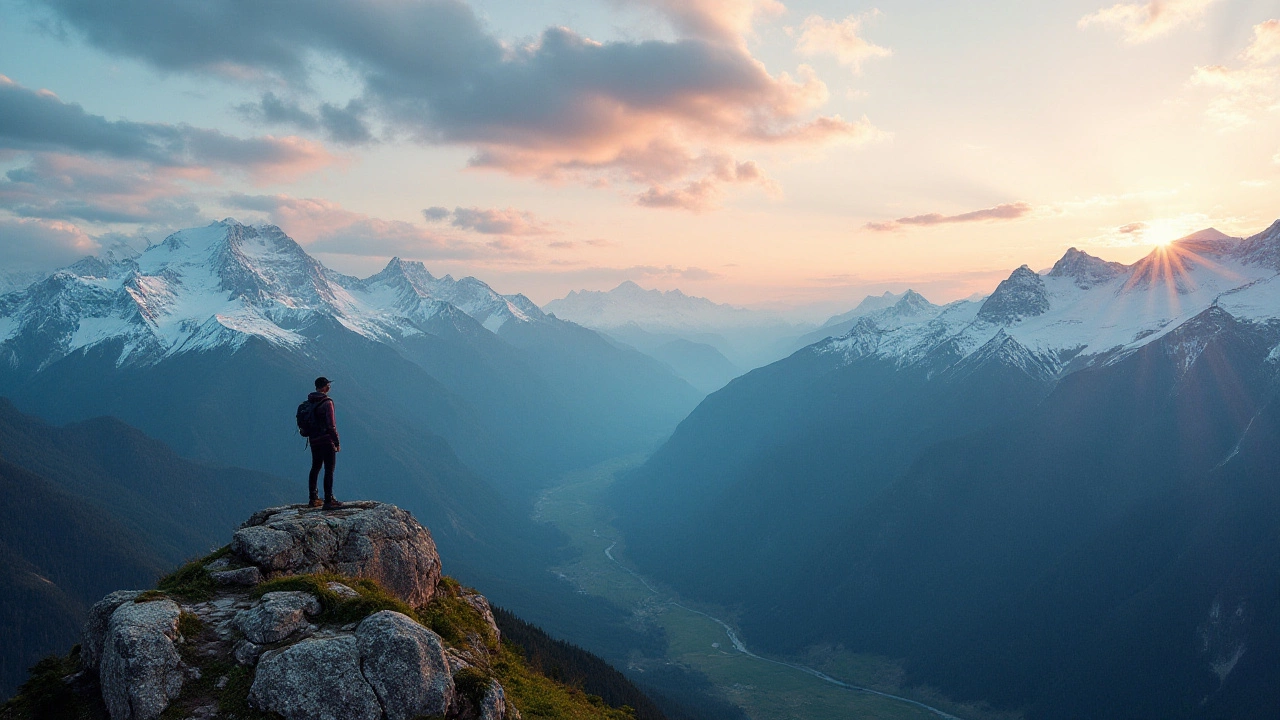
(841,39)
(490,221)
(563,107)
(1140,22)
(55,186)
(1008,211)
(327,227)
(31,243)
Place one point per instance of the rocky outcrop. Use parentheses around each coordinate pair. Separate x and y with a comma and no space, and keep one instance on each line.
(311,654)
(95,628)
(277,616)
(406,666)
(480,604)
(390,667)
(246,576)
(363,539)
(141,670)
(318,679)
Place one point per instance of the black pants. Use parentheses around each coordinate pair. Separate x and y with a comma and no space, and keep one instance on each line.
(322,453)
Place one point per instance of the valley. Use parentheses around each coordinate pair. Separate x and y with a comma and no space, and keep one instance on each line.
(830,684)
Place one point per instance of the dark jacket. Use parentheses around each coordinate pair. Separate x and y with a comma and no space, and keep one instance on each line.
(326,417)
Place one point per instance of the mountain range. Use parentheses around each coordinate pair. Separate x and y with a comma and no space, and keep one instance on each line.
(651,319)
(1054,500)
(454,402)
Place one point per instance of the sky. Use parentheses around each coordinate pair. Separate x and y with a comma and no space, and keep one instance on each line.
(786,155)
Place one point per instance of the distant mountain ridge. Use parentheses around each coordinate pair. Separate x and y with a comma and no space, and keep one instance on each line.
(746,338)
(652,309)
(918,479)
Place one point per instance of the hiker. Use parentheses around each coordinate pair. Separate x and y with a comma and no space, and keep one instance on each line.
(317,420)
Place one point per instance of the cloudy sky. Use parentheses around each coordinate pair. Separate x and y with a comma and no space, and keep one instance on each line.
(758,152)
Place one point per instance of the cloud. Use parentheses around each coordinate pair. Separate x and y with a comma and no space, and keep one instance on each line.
(1008,211)
(39,121)
(715,20)
(342,125)
(326,227)
(1140,22)
(562,106)
(32,244)
(1250,89)
(54,186)
(704,193)
(839,38)
(490,221)
(1131,228)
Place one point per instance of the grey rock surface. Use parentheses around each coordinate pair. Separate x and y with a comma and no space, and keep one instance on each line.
(494,704)
(141,671)
(363,539)
(317,679)
(405,663)
(246,576)
(95,627)
(277,616)
(342,591)
(480,604)
(221,563)
(246,653)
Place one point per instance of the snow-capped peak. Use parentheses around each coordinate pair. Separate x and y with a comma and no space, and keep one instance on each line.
(1085,310)
(1085,269)
(1019,296)
(218,286)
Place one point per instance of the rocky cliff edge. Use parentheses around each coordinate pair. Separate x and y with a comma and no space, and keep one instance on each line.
(306,615)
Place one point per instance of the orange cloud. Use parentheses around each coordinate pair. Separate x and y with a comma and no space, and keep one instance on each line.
(839,38)
(562,107)
(1140,22)
(1008,211)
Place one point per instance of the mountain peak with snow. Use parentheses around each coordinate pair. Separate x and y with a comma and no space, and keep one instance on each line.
(1085,269)
(222,285)
(1019,296)
(1085,310)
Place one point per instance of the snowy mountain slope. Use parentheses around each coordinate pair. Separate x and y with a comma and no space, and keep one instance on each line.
(907,304)
(1083,311)
(219,285)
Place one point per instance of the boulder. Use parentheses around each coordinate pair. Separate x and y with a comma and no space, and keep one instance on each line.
(277,616)
(141,671)
(405,663)
(246,653)
(246,576)
(480,604)
(95,628)
(316,679)
(363,539)
(342,591)
(494,704)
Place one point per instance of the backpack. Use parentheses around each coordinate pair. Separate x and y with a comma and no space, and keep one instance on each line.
(308,424)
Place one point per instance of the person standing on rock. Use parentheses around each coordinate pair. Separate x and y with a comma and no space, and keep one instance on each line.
(318,421)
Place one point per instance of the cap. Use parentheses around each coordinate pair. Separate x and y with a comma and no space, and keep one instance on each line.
(321,382)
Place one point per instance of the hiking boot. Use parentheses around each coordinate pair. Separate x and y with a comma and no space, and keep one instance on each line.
(331,504)
(315,503)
